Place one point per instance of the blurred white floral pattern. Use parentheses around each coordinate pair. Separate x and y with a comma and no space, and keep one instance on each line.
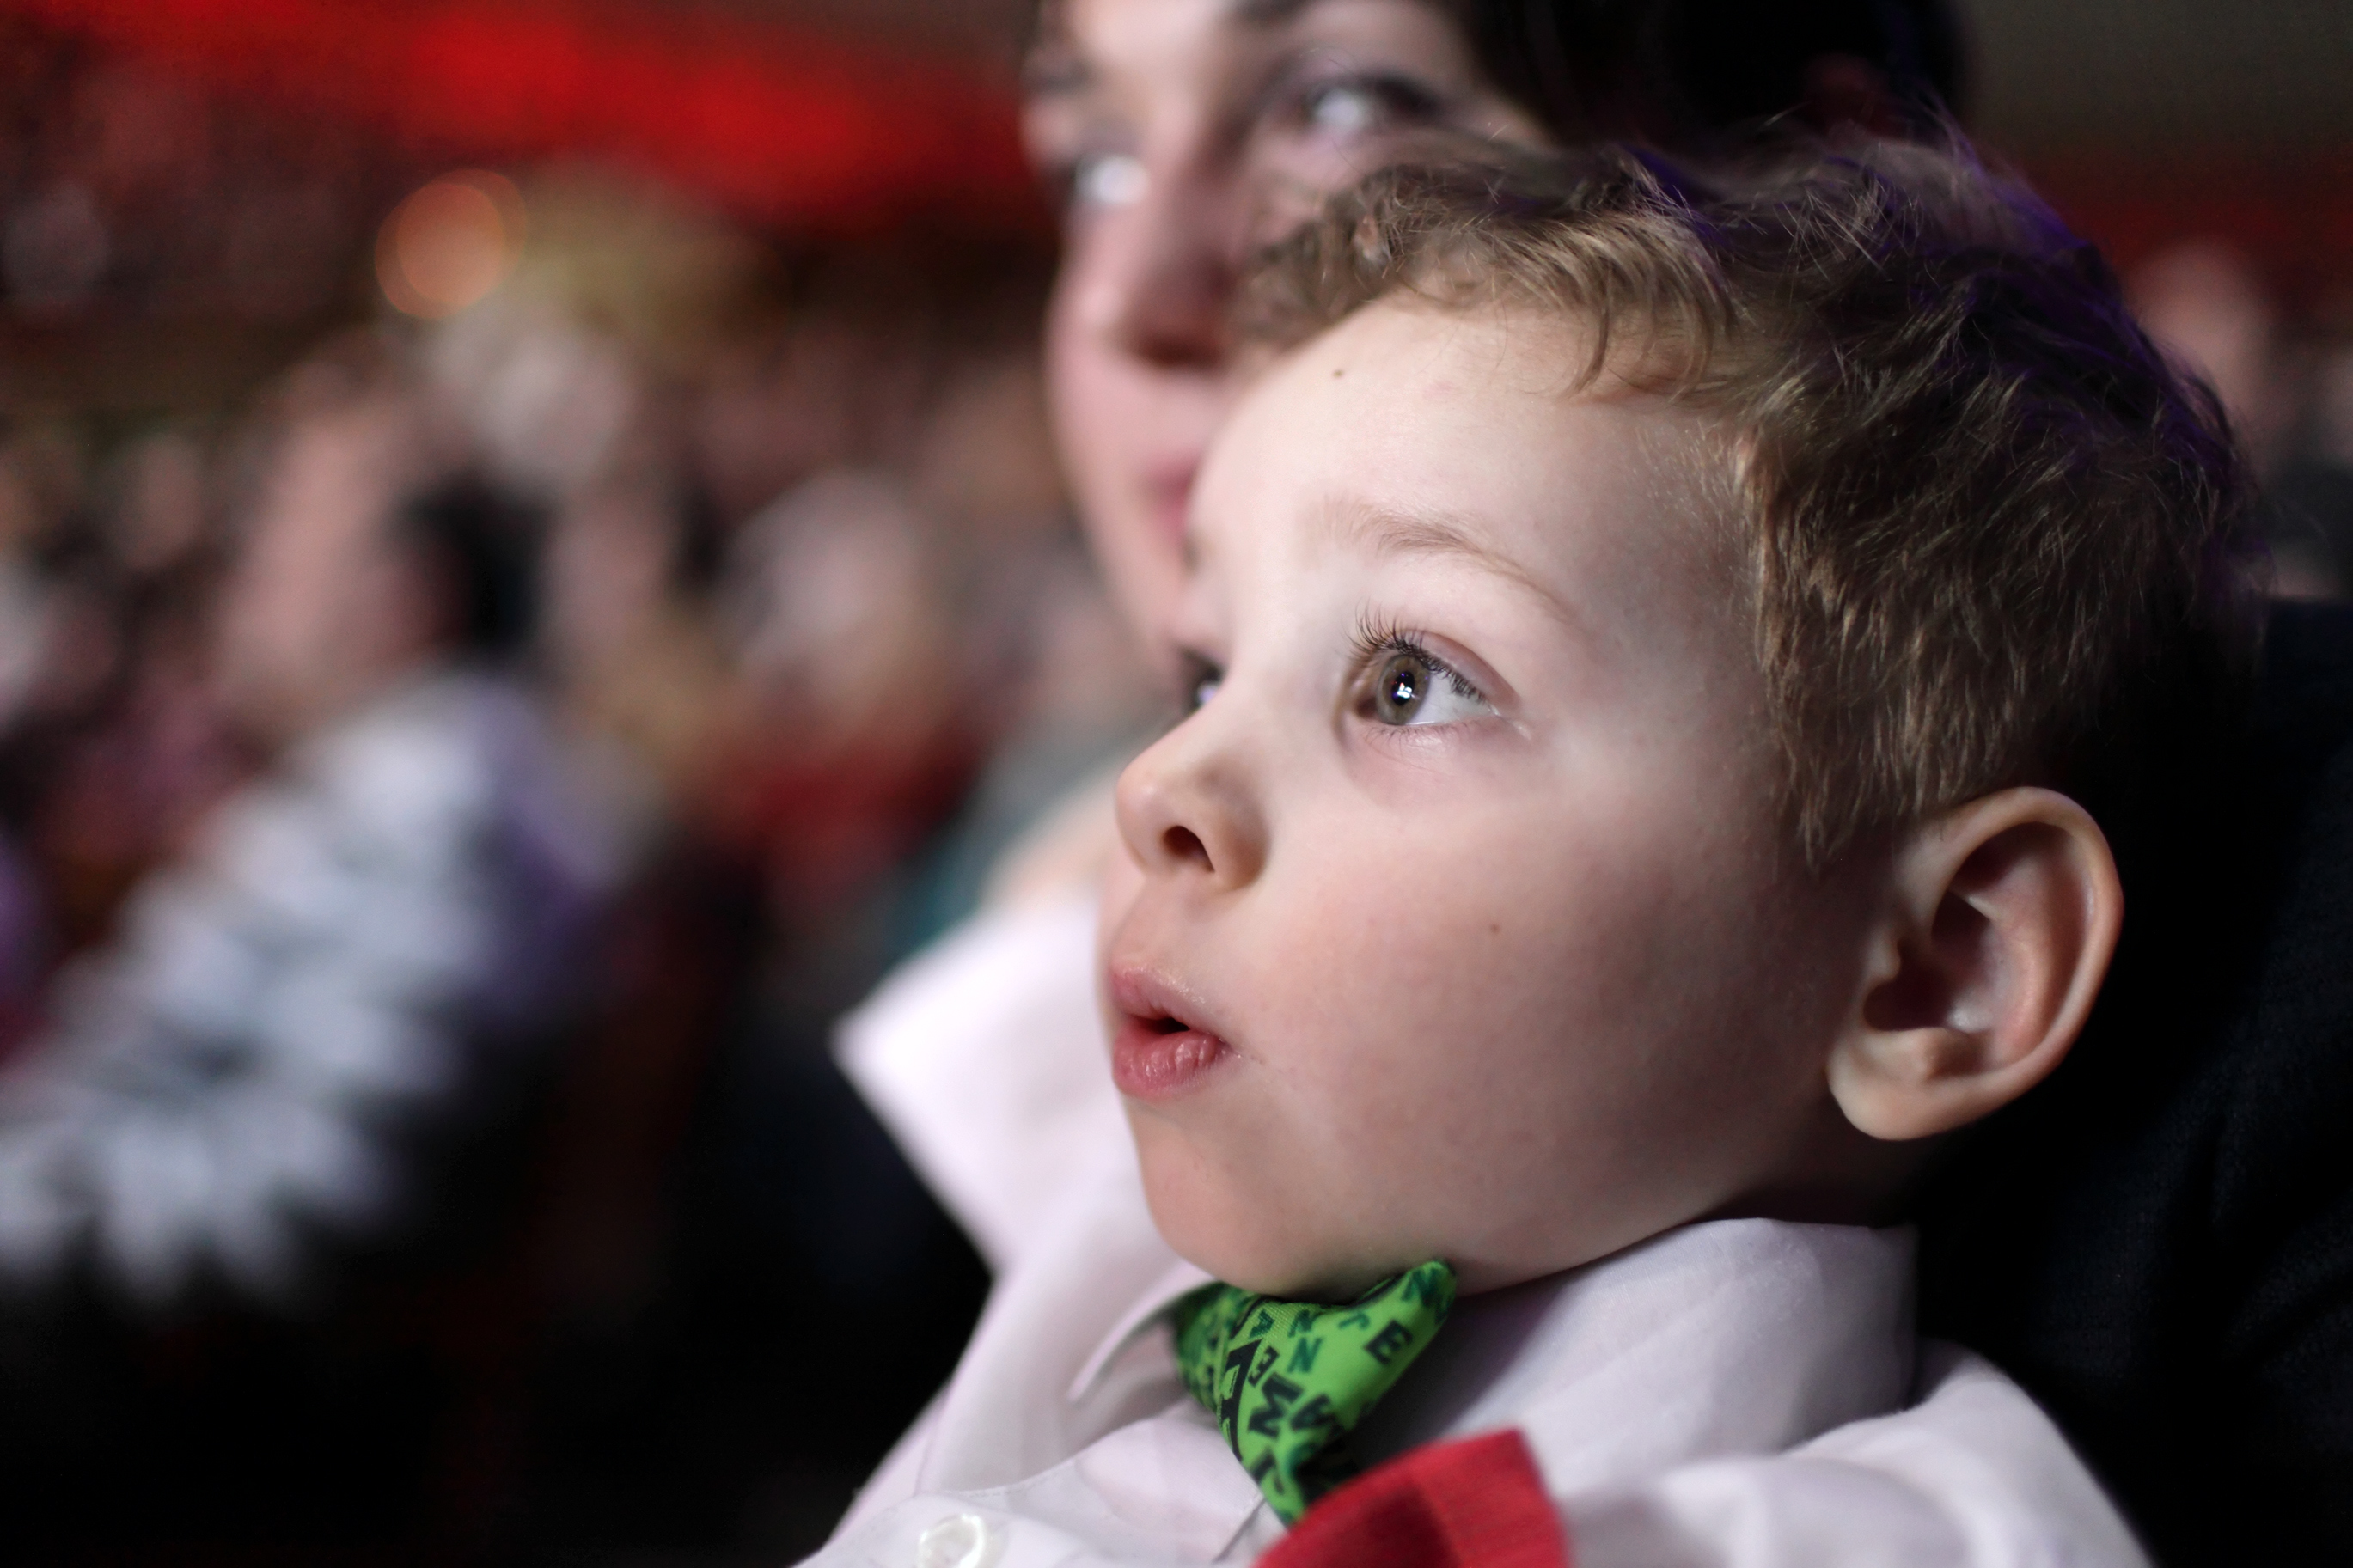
(337,969)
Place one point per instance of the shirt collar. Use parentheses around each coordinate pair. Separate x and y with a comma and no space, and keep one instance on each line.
(1725,1336)
(1776,1323)
(1178,1281)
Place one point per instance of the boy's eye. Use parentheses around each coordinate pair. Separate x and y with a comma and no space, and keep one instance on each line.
(1411,687)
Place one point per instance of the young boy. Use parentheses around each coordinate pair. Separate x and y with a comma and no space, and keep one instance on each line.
(1663,657)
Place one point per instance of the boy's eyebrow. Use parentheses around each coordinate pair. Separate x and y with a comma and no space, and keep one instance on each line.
(1393,531)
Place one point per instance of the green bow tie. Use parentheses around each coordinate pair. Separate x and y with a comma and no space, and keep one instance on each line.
(1288,1380)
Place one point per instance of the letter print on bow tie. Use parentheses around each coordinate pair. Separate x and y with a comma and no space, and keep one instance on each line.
(1288,1381)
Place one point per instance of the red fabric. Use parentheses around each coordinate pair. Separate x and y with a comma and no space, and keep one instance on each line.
(773,121)
(1476,1503)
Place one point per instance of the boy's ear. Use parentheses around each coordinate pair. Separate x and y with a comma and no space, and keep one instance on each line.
(1983,966)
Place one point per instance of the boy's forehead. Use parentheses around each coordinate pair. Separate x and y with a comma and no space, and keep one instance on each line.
(1464,429)
(1354,407)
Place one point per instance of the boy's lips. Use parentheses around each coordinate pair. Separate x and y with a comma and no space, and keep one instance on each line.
(1162,1044)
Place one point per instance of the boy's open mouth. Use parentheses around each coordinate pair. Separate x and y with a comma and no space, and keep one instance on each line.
(1156,1051)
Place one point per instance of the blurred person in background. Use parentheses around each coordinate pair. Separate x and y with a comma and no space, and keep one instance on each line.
(569,379)
(297,1076)
(358,942)
(755,618)
(111,747)
(2313,489)
(2205,302)
(1185,133)
(855,734)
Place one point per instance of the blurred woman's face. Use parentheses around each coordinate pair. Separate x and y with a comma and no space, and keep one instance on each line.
(1185,133)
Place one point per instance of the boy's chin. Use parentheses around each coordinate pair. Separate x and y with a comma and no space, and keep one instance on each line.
(1260,1235)
(1245,1243)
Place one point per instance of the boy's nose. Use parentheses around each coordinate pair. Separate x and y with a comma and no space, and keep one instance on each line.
(1191,807)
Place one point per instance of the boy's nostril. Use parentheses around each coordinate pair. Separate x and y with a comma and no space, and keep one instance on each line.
(1183,843)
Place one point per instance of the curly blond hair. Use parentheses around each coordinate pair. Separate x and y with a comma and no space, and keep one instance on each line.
(1995,537)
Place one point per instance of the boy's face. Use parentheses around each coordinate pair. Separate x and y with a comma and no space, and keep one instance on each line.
(1459,920)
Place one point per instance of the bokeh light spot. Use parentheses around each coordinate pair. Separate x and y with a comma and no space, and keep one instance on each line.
(450,243)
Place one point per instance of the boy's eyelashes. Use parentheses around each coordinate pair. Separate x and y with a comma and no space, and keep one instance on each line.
(1399,683)
(1394,680)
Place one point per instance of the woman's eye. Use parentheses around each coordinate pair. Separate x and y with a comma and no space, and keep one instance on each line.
(1346,110)
(1106,180)
(1363,105)
(1411,687)
(1202,680)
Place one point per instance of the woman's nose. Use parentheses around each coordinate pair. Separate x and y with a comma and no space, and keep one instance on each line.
(1190,808)
(1162,269)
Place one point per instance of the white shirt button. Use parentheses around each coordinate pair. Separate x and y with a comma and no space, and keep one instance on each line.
(959,1541)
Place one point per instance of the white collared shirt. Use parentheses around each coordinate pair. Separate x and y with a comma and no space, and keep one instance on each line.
(1731,1394)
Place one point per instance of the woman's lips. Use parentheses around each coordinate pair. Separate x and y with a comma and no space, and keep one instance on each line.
(1160,1059)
